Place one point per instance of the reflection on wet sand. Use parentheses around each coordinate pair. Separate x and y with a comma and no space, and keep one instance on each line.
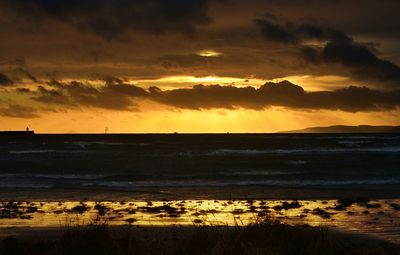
(378,217)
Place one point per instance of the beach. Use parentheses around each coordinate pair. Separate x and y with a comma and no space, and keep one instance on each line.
(378,218)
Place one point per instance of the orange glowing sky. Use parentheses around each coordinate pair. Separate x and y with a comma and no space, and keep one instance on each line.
(197,65)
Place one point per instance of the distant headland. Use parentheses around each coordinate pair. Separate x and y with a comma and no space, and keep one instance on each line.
(348,129)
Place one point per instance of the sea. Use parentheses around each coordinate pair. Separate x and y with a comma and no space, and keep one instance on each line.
(210,165)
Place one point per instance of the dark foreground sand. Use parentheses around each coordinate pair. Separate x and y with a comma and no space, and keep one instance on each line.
(263,237)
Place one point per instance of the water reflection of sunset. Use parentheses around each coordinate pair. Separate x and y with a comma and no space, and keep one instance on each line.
(370,217)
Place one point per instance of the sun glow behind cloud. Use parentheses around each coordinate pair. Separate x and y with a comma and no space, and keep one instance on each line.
(171,82)
(308,82)
(209,53)
(317,83)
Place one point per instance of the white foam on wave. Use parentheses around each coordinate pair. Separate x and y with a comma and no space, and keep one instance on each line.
(30,151)
(353,137)
(219,183)
(253,173)
(54,176)
(45,151)
(26,185)
(83,144)
(227,152)
(353,143)
(320,182)
(71,176)
(127,185)
(297,162)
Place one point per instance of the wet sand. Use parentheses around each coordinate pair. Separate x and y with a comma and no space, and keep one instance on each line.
(377,218)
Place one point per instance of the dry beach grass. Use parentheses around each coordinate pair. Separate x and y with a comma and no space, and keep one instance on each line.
(265,236)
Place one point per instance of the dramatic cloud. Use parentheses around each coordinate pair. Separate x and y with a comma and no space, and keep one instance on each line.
(119,96)
(28,74)
(339,48)
(115,95)
(48,96)
(5,81)
(109,19)
(288,32)
(361,60)
(18,111)
(284,94)
(144,39)
(207,97)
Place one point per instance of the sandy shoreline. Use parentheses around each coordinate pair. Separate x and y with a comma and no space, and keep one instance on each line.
(378,218)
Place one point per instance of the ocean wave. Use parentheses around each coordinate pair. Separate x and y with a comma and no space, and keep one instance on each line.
(54,176)
(297,162)
(26,185)
(45,151)
(85,144)
(357,137)
(214,183)
(130,185)
(249,152)
(353,143)
(252,173)
(30,151)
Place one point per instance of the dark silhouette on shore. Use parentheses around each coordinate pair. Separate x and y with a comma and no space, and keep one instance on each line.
(17,133)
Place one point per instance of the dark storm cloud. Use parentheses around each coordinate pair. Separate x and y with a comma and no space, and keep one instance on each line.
(207,97)
(362,63)
(50,96)
(284,94)
(359,58)
(366,17)
(5,80)
(23,90)
(339,48)
(27,74)
(57,37)
(119,96)
(109,19)
(276,30)
(18,111)
(115,95)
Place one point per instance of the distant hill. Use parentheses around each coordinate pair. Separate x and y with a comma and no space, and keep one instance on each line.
(348,129)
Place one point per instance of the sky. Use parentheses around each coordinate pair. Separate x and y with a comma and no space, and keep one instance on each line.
(145,66)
